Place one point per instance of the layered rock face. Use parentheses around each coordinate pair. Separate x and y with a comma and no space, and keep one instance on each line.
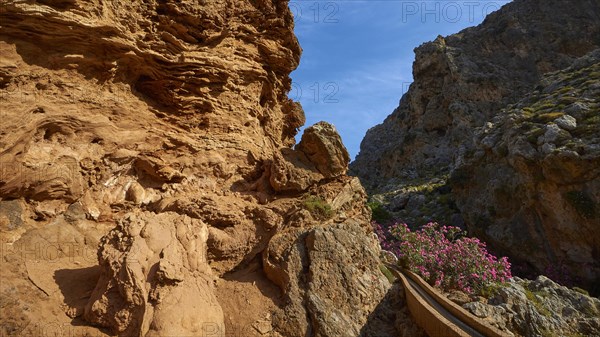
(149,186)
(526,209)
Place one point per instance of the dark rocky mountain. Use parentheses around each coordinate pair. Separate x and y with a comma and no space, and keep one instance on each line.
(532,185)
(419,162)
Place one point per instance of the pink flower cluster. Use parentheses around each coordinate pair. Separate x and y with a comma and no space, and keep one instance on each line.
(444,257)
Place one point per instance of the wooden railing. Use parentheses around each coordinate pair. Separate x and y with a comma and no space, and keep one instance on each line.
(436,314)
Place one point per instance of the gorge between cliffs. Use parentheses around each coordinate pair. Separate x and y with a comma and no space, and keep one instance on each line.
(153,181)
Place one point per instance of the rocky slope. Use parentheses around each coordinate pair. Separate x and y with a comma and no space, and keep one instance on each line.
(149,186)
(462,82)
(539,307)
(538,163)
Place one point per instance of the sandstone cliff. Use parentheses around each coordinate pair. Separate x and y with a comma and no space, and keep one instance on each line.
(462,82)
(149,186)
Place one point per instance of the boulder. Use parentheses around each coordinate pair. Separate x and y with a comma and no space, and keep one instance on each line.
(323,146)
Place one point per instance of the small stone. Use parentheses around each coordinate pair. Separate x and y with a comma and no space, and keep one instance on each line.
(136,193)
(11,214)
(548,148)
(566,122)
(93,213)
(478,309)
(263,327)
(552,133)
(399,202)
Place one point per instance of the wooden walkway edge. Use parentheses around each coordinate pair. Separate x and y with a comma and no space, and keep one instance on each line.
(436,314)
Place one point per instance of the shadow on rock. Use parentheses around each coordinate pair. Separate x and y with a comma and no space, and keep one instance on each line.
(76,286)
(391,317)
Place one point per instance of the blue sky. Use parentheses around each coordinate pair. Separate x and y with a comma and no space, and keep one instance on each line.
(357,55)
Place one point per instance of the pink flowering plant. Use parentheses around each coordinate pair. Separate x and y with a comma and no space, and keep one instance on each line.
(445,257)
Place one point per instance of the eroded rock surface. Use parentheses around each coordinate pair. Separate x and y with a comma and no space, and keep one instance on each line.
(539,307)
(160,135)
(156,280)
(326,275)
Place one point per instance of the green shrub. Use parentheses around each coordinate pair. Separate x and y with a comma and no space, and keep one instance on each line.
(527,110)
(543,105)
(545,332)
(490,290)
(445,199)
(541,308)
(318,207)
(567,99)
(581,291)
(526,126)
(565,90)
(548,117)
(585,130)
(592,120)
(574,334)
(387,273)
(533,135)
(379,214)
